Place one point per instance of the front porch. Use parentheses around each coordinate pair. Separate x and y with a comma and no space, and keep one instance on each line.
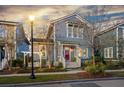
(68,54)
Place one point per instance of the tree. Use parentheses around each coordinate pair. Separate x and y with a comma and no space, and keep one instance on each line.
(95,26)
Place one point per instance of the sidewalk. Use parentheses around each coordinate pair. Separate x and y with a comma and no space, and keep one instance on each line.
(46,73)
(53,73)
(118,70)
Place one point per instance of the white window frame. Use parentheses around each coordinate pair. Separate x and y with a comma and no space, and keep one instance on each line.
(86,49)
(45,50)
(108,52)
(67,26)
(78,31)
(123,33)
(81,32)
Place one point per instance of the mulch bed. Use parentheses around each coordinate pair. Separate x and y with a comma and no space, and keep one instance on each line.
(89,75)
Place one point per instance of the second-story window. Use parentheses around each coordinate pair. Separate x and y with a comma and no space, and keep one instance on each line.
(81,30)
(69,31)
(74,31)
(2,33)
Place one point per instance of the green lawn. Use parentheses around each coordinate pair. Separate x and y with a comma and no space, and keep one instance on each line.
(41,78)
(117,74)
(45,78)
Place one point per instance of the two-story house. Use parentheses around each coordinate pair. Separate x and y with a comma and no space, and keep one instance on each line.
(65,42)
(12,41)
(111,42)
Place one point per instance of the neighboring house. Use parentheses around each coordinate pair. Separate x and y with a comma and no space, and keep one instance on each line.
(65,42)
(12,41)
(111,43)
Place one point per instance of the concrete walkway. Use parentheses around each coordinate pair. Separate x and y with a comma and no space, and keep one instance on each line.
(118,70)
(53,73)
(46,73)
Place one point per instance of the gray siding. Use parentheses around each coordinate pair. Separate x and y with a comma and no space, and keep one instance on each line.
(61,34)
(108,39)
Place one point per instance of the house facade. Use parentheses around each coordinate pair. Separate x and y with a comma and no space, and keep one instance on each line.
(12,42)
(111,43)
(67,45)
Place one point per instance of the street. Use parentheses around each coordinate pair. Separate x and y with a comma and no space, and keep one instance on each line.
(102,83)
(105,82)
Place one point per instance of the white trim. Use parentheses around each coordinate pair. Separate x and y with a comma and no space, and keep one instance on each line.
(108,52)
(123,33)
(117,43)
(45,50)
(85,50)
(72,33)
(54,44)
(67,29)
(78,31)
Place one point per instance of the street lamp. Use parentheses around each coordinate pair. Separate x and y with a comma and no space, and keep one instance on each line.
(31,18)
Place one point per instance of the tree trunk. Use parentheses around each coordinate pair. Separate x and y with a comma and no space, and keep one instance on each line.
(93,56)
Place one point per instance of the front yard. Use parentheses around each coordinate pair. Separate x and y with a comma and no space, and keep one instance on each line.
(56,77)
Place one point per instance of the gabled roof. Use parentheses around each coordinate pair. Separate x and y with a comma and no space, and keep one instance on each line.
(111,28)
(21,29)
(20,26)
(50,29)
(9,23)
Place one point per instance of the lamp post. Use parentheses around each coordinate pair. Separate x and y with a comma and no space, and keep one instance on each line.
(31,18)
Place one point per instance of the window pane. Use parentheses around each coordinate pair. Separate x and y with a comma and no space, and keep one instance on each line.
(85,53)
(2,33)
(110,52)
(105,53)
(75,32)
(81,32)
(69,31)
(123,33)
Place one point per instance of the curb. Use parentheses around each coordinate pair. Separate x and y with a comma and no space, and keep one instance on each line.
(56,82)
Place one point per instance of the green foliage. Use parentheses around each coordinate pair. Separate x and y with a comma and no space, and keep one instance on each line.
(114,65)
(17,63)
(43,63)
(52,69)
(60,65)
(94,69)
(73,59)
(86,63)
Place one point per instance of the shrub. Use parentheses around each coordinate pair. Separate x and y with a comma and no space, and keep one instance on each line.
(52,69)
(17,63)
(114,65)
(100,67)
(86,63)
(91,69)
(73,59)
(94,69)
(43,63)
(60,65)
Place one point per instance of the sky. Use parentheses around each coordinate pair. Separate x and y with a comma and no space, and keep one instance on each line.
(45,13)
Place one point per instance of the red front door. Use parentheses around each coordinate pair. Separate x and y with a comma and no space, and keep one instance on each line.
(67,55)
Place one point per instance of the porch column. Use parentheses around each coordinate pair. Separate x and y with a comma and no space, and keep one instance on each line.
(24,60)
(40,60)
(62,56)
(54,45)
